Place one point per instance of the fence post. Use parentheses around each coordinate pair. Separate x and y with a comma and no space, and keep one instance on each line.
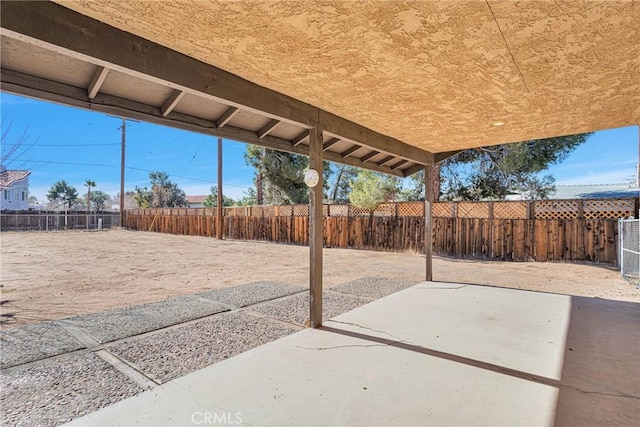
(454,209)
(580,209)
(490,252)
(531,210)
(621,245)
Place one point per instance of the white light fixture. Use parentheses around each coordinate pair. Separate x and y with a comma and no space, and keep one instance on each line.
(498,123)
(311,178)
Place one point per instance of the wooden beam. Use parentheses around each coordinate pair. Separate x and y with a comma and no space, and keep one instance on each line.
(227,116)
(315,230)
(438,157)
(96,81)
(66,32)
(338,126)
(220,218)
(399,164)
(266,129)
(171,102)
(412,169)
(366,157)
(346,153)
(428,221)
(300,138)
(330,143)
(39,88)
(385,160)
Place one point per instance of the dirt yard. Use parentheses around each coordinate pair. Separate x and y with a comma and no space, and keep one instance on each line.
(46,276)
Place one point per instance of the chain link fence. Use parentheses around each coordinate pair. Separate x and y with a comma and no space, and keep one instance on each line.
(629,233)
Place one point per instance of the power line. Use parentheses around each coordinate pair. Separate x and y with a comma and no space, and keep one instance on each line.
(129,167)
(68,145)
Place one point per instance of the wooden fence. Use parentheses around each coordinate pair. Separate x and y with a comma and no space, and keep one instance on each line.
(585,232)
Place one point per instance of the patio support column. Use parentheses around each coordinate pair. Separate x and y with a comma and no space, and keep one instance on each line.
(428,220)
(315,230)
(220,218)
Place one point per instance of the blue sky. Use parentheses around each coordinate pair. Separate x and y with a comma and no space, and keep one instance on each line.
(76,145)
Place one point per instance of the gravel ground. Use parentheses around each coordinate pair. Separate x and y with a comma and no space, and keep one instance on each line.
(125,322)
(373,287)
(179,351)
(57,391)
(252,293)
(34,342)
(295,309)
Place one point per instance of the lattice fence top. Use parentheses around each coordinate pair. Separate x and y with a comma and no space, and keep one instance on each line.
(556,209)
(605,208)
(510,210)
(385,209)
(442,209)
(411,209)
(338,210)
(540,209)
(473,210)
(356,211)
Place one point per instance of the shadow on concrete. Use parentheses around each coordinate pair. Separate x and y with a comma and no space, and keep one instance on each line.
(601,371)
(600,380)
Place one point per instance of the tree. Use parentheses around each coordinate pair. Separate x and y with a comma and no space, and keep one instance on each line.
(250,198)
(89,184)
(279,175)
(64,193)
(212,199)
(130,201)
(143,197)
(100,199)
(12,152)
(370,189)
(166,194)
(163,193)
(493,172)
(341,186)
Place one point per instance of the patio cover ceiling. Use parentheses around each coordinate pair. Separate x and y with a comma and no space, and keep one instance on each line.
(390,83)
(434,74)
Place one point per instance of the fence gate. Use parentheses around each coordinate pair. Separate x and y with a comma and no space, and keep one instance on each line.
(630,249)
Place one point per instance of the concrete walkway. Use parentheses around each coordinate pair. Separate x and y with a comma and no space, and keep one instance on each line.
(432,354)
(56,371)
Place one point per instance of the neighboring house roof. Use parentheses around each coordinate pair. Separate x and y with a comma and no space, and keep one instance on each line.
(196,199)
(596,191)
(8,177)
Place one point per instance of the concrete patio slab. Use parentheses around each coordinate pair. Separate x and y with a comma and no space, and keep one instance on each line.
(175,352)
(25,389)
(37,341)
(373,287)
(433,354)
(295,309)
(125,322)
(252,293)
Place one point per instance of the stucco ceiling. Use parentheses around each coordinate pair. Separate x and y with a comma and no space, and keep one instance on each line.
(435,74)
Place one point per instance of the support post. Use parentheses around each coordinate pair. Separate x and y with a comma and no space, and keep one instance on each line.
(122,153)
(428,220)
(315,230)
(220,195)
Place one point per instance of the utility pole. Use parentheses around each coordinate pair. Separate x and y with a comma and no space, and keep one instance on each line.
(123,144)
(122,154)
